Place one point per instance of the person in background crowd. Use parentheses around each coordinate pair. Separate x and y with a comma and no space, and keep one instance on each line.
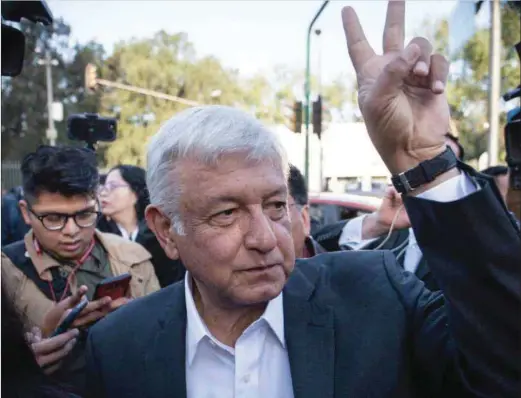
(26,365)
(14,227)
(63,250)
(373,231)
(305,245)
(124,198)
(501,177)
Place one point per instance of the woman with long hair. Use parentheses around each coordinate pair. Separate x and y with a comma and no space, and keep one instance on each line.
(124,198)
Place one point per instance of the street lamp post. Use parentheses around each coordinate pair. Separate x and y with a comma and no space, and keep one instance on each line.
(49,62)
(307,88)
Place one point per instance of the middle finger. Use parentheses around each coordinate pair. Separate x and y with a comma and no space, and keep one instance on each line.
(394,31)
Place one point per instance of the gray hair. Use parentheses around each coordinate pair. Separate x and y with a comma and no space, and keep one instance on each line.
(204,133)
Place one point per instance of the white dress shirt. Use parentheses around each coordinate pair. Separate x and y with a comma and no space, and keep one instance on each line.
(257,367)
(126,235)
(450,190)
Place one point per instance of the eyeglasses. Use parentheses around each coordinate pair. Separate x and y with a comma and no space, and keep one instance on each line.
(58,221)
(111,187)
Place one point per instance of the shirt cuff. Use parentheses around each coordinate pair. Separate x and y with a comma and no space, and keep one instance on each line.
(351,235)
(451,190)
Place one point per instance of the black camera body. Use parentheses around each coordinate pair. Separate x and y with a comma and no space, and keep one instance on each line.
(513,135)
(91,128)
(13,40)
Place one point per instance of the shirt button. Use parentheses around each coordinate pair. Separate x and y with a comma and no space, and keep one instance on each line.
(246,379)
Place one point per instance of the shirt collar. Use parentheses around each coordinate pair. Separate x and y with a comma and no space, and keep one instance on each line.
(42,260)
(126,235)
(412,237)
(196,330)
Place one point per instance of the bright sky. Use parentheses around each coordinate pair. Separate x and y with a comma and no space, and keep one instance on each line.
(249,35)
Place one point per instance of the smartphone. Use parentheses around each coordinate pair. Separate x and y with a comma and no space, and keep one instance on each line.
(114,287)
(69,319)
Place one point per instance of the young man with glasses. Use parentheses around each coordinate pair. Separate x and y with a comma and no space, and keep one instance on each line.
(63,250)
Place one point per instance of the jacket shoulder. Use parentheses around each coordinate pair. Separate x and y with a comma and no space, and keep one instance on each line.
(348,272)
(122,249)
(139,317)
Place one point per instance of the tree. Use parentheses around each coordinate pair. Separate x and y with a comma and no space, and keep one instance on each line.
(167,64)
(24,98)
(468,83)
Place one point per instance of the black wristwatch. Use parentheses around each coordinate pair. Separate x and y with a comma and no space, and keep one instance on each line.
(425,172)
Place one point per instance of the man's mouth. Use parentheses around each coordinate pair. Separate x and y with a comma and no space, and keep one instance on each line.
(262,267)
(71,246)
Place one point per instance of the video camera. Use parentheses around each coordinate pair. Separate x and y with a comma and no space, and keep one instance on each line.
(513,135)
(91,128)
(13,40)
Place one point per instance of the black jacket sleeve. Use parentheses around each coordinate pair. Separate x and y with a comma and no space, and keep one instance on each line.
(473,248)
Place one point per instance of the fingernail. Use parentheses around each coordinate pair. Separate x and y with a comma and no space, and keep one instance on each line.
(75,332)
(107,300)
(421,68)
(438,86)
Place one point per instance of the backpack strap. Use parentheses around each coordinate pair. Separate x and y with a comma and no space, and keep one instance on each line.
(17,254)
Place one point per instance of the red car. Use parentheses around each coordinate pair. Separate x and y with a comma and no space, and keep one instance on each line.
(327,208)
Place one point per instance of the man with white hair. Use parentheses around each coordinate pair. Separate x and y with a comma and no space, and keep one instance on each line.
(250,321)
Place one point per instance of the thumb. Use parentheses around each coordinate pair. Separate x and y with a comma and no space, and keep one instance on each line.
(390,81)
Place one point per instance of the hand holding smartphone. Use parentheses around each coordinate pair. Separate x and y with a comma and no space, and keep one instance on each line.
(69,319)
(114,287)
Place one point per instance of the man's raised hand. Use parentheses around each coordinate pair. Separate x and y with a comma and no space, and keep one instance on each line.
(401,92)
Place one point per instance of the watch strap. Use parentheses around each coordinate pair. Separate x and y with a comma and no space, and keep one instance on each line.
(425,172)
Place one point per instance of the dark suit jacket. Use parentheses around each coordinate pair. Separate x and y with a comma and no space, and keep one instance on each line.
(356,325)
(329,235)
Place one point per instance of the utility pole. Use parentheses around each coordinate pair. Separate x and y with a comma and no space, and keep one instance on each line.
(494,81)
(307,89)
(51,132)
(319,67)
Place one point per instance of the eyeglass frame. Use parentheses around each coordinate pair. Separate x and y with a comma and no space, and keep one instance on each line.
(41,217)
(103,188)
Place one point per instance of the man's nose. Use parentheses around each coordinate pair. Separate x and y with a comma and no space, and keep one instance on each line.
(260,234)
(70,227)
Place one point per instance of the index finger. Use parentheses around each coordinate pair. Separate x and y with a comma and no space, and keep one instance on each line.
(74,299)
(360,51)
(394,31)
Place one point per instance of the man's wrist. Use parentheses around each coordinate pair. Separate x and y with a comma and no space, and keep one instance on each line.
(424,173)
(372,228)
(437,181)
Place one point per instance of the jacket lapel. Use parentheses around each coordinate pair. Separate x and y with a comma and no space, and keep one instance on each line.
(310,339)
(165,359)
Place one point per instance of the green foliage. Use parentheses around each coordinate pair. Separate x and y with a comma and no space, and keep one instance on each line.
(165,63)
(24,98)
(468,84)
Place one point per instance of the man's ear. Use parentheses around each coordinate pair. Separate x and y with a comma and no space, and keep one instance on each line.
(306,219)
(25,211)
(161,226)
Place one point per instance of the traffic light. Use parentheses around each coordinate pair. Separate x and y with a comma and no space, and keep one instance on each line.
(317,116)
(91,77)
(297,117)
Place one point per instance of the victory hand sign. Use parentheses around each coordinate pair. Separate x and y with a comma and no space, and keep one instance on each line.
(401,93)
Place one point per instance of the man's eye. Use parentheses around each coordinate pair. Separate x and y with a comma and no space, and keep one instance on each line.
(225,216)
(53,217)
(277,209)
